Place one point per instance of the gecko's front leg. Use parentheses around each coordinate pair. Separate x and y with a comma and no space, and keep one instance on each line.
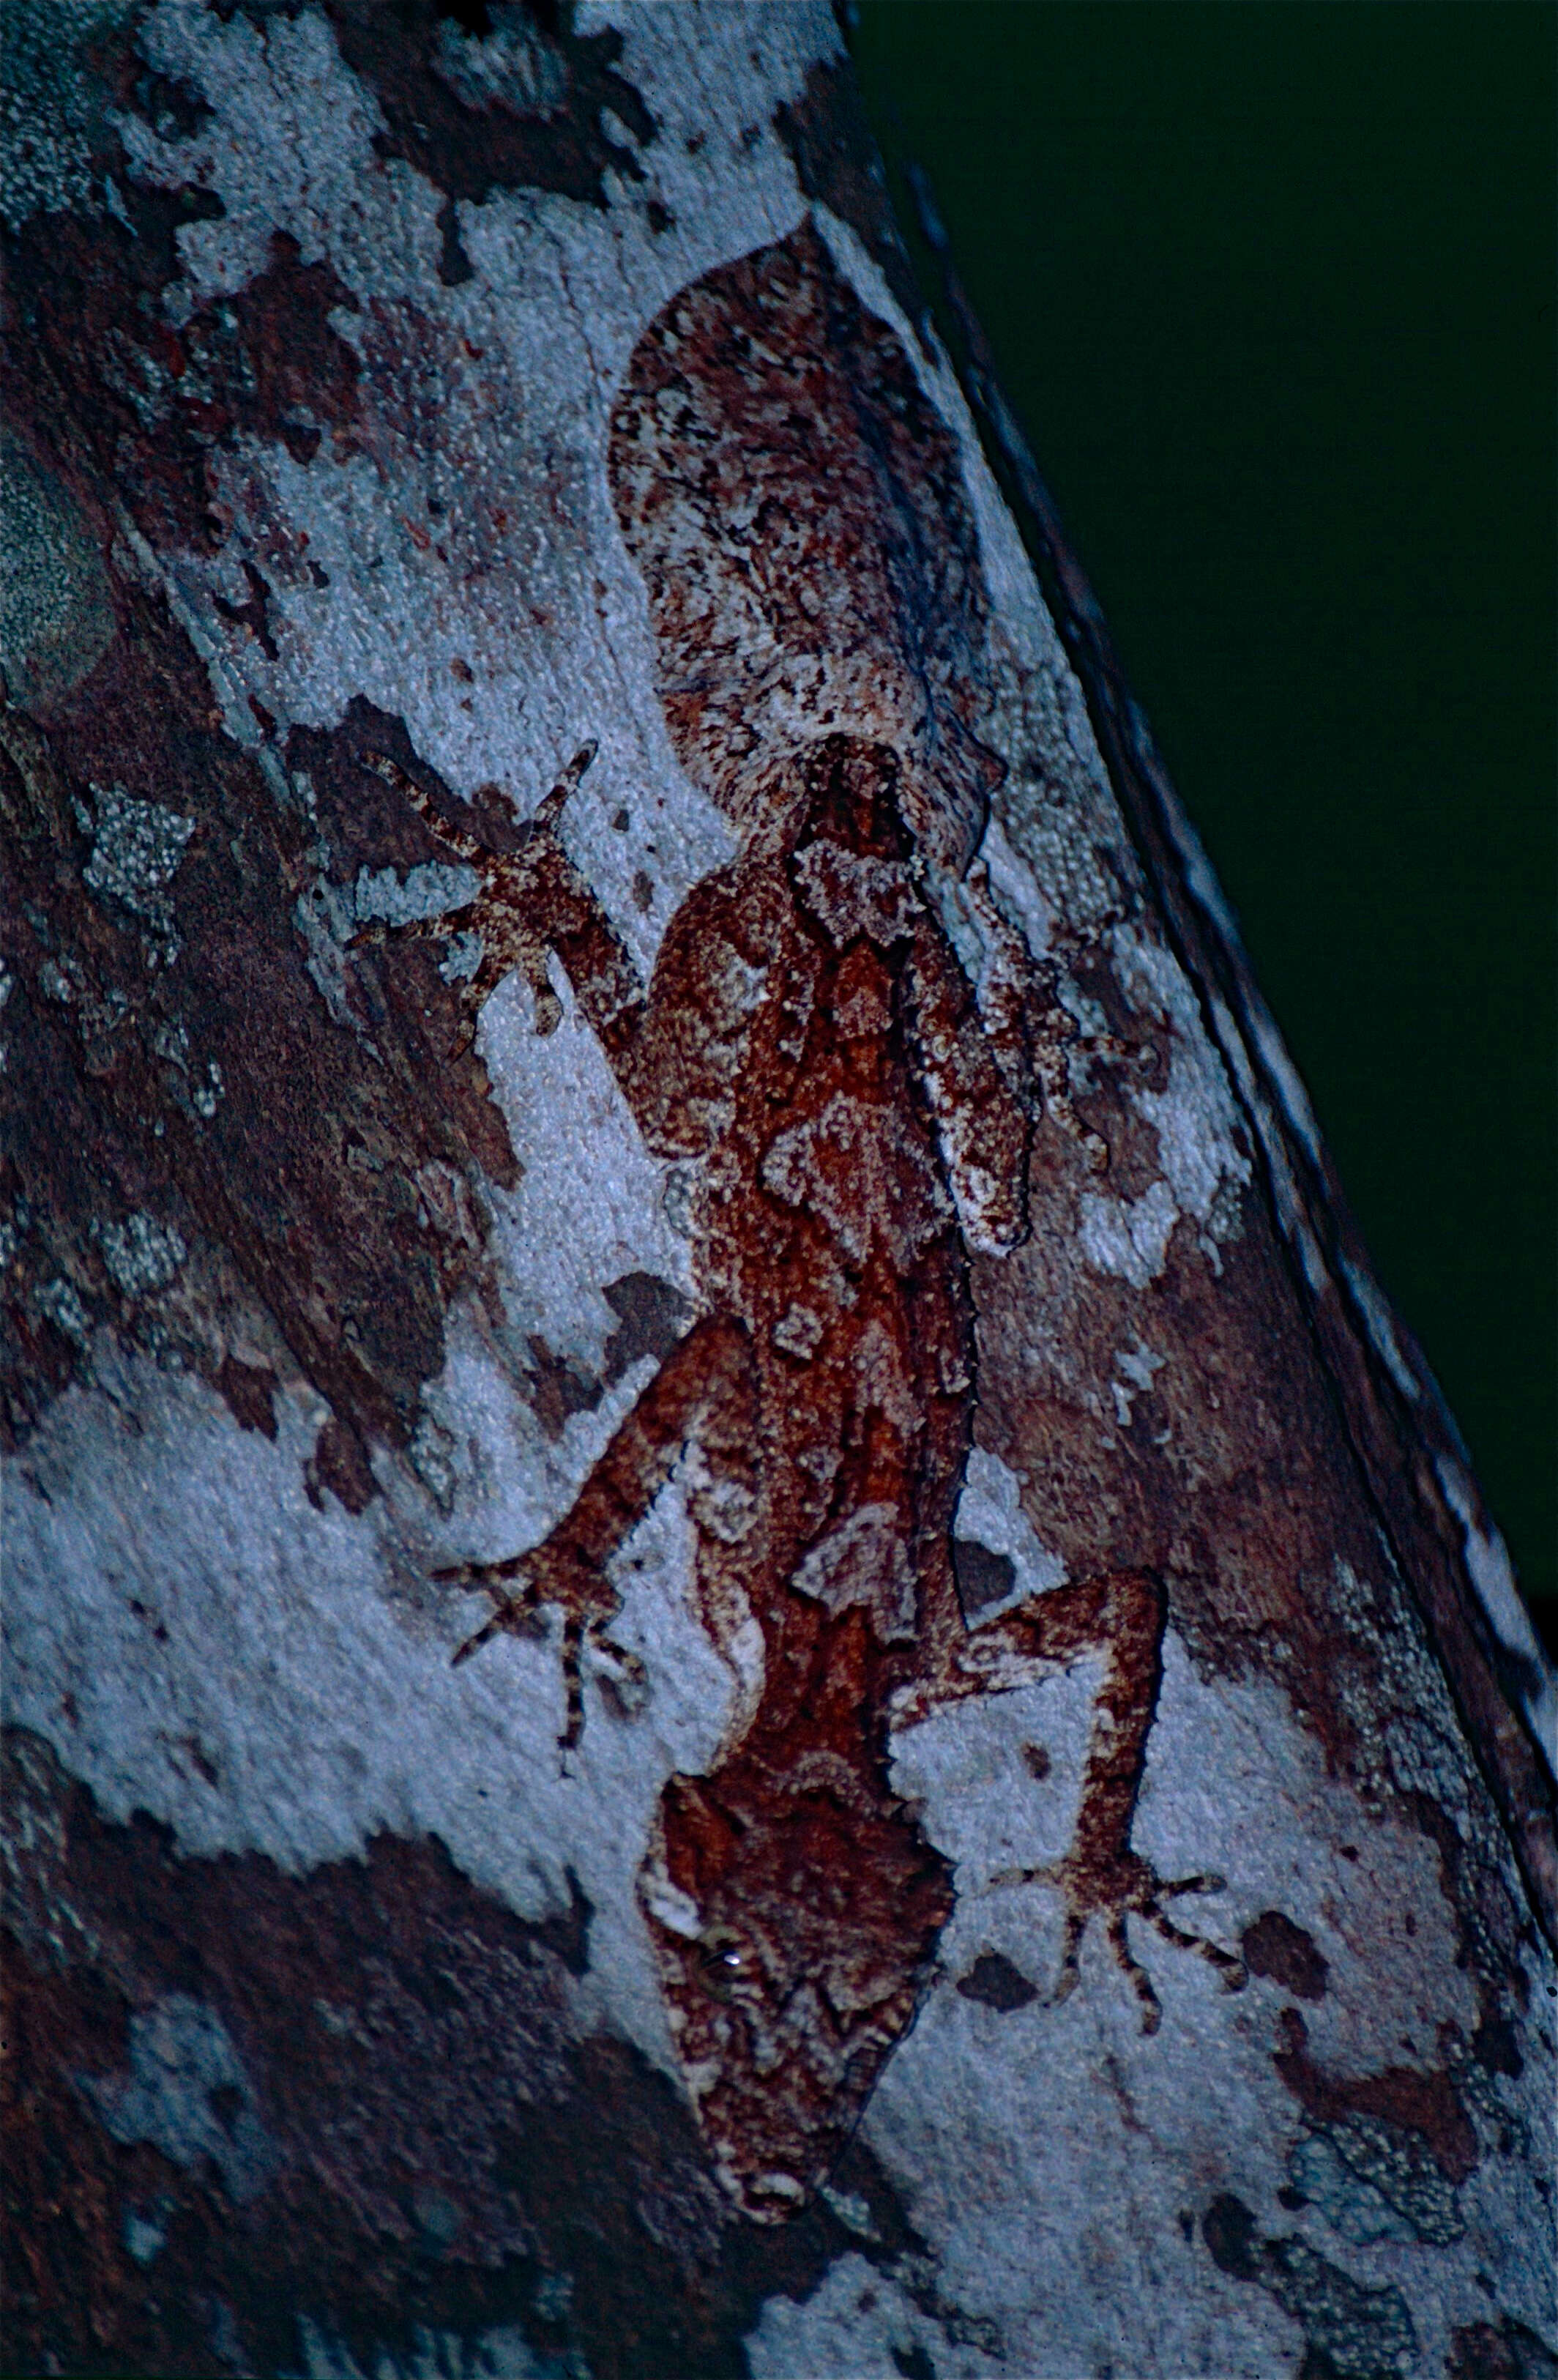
(532,901)
(1120,1614)
(702,1392)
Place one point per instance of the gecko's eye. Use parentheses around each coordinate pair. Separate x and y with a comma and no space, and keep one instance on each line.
(726,1961)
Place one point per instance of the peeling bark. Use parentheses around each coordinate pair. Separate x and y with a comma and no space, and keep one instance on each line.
(736,1638)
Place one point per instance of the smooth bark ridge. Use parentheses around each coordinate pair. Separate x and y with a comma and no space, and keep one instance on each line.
(620,1060)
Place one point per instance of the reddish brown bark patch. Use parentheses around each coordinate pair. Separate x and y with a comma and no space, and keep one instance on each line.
(126,399)
(1274,1947)
(1478,2351)
(836,160)
(982,1577)
(214,1092)
(339,1464)
(996,1983)
(448,2147)
(478,109)
(651,1315)
(1402,2095)
(558,1388)
(1229,1475)
(248,1389)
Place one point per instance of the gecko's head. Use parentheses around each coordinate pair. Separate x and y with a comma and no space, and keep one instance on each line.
(797,504)
(808,1918)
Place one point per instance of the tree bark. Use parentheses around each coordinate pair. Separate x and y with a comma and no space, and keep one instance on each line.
(737,1639)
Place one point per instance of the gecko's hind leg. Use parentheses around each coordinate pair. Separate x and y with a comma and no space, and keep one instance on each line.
(441,926)
(1122,1615)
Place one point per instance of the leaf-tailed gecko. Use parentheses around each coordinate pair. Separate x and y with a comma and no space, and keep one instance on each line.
(854,1117)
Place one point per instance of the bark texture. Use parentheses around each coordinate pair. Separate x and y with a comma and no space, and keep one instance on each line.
(621,1062)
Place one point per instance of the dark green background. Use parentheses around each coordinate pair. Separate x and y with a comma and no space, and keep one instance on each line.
(1271,287)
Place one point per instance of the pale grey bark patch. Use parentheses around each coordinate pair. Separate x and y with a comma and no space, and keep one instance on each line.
(52,106)
(939,2117)
(500,2353)
(1361,2332)
(141,1254)
(1371,2183)
(422,892)
(186,2092)
(998,1557)
(1488,1566)
(137,848)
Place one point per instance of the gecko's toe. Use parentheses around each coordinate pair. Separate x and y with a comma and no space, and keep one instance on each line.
(1210,1882)
(549,1008)
(478,1573)
(1135,1974)
(473,1644)
(622,1677)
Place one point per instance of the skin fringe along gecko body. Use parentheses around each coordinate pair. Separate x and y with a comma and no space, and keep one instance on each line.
(852,1117)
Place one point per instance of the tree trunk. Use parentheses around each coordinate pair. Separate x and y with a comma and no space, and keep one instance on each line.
(737,1640)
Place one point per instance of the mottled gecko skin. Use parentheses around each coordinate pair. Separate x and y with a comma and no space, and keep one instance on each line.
(851,1122)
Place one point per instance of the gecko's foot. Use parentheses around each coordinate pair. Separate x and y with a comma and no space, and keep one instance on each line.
(622,1677)
(518,1614)
(550,807)
(520,1588)
(1128,1886)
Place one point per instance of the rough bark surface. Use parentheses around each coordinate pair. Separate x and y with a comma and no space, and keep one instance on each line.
(619,1062)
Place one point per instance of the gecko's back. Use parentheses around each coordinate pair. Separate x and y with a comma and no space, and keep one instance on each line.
(829,1233)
